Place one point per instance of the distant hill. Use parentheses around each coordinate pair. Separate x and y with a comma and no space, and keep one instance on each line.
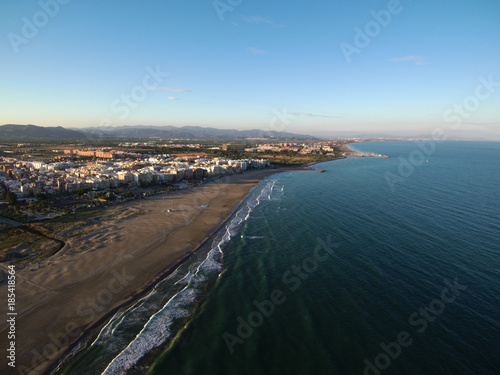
(140,132)
(186,132)
(11,131)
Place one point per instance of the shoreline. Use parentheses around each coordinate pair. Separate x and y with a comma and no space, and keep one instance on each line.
(93,331)
(48,318)
(351,152)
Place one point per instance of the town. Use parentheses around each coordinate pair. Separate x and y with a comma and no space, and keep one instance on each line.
(40,181)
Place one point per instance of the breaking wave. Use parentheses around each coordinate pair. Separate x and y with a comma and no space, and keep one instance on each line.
(150,322)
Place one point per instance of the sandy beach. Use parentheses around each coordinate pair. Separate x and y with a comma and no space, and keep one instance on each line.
(106,263)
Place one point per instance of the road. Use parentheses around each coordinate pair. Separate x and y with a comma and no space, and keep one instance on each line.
(9,222)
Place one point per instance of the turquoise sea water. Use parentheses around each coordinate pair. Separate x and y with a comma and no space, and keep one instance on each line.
(377,266)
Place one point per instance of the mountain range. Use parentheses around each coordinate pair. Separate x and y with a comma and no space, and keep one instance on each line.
(11,131)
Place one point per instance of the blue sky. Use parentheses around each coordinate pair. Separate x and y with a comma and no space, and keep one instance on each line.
(417,65)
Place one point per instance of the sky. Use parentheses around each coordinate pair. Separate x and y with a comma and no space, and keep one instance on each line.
(325,68)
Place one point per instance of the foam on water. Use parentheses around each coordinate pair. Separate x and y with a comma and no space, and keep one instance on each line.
(154,333)
(395,250)
(124,353)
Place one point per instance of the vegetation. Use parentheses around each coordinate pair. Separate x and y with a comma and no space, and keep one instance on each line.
(11,198)
(41,196)
(24,244)
(104,195)
(81,192)
(13,213)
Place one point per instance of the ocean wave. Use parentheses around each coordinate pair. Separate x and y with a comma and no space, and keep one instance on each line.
(154,333)
(158,328)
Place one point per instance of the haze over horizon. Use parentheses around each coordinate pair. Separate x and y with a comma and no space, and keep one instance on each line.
(387,67)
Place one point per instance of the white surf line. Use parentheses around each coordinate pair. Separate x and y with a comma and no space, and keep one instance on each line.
(120,363)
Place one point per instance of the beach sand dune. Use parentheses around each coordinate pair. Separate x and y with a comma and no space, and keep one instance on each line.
(107,262)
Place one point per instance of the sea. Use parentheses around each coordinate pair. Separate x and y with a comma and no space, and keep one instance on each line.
(378,265)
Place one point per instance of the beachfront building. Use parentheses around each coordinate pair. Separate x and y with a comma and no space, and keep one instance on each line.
(27,178)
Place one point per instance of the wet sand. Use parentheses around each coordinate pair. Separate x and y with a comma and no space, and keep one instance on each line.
(109,262)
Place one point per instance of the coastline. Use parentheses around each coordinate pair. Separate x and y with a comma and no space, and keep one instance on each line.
(349,151)
(92,332)
(54,321)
